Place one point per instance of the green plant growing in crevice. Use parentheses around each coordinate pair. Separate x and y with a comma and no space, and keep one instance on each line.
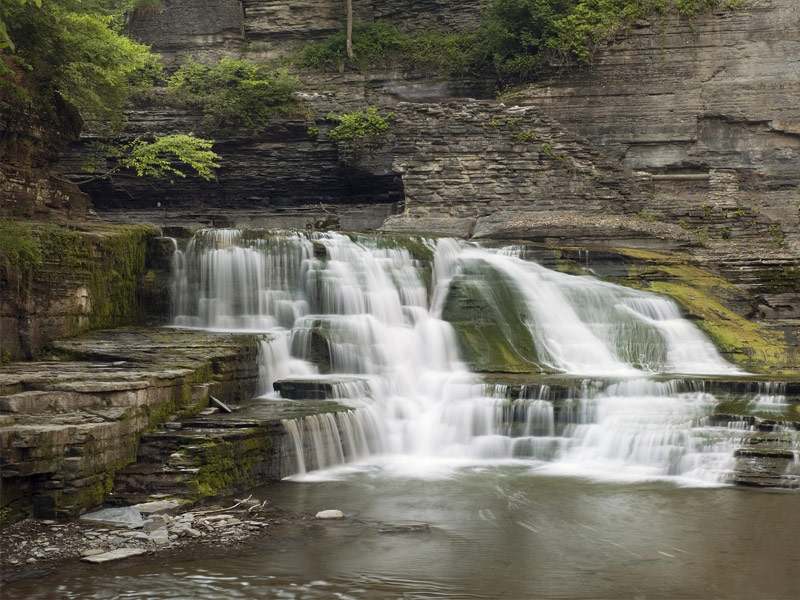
(725,232)
(524,136)
(547,149)
(361,131)
(20,252)
(776,235)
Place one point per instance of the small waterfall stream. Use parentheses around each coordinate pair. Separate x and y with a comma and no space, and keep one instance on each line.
(366,317)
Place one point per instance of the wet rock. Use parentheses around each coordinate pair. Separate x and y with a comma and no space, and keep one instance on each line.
(403,528)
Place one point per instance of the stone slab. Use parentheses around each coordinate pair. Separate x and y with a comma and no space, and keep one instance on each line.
(117,516)
(156,507)
(117,554)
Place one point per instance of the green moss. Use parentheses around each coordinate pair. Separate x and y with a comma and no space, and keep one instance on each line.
(229,465)
(707,297)
(492,332)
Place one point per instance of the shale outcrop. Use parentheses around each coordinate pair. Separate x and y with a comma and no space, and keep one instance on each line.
(69,425)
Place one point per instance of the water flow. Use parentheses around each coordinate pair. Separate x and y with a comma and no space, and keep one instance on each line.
(368,316)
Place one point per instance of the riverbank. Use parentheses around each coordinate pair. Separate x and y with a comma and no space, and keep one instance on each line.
(36,548)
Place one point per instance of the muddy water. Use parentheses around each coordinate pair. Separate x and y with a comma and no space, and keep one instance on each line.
(494,533)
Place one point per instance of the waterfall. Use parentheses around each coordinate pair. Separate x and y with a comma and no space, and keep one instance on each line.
(368,318)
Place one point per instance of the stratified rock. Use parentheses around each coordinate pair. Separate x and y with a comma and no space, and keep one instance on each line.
(434,226)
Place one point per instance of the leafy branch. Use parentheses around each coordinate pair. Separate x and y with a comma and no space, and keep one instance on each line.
(162,156)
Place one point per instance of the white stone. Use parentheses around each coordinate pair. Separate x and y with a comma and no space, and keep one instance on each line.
(159,536)
(330,514)
(158,506)
(92,552)
(117,554)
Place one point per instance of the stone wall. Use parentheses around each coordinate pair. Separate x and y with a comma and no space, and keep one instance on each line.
(675,97)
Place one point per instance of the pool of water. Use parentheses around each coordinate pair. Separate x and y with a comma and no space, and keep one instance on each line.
(494,532)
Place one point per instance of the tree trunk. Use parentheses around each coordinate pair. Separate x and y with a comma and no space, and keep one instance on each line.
(349,28)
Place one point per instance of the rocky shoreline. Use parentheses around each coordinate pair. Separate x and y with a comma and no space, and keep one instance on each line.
(35,548)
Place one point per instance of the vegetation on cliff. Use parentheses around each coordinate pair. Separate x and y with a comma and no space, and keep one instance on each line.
(515,40)
(234,92)
(68,62)
(360,131)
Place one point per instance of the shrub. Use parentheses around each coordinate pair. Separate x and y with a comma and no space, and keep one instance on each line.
(360,131)
(234,92)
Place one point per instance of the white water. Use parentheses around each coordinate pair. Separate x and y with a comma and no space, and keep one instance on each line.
(416,408)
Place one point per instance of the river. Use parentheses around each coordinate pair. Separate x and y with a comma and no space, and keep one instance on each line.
(499,531)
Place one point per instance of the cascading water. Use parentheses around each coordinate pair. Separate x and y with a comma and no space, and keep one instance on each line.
(370,318)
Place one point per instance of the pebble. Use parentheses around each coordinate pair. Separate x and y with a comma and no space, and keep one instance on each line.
(31,560)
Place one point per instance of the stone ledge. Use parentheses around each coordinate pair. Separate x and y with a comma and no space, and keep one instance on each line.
(70,425)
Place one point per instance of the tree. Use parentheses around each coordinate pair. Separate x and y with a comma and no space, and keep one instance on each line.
(62,58)
(157,158)
(349,29)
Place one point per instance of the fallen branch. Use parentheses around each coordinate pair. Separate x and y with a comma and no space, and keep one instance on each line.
(219,510)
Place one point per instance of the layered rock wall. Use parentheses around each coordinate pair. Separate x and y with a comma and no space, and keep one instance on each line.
(86,280)
(471,159)
(678,97)
(208,29)
(67,427)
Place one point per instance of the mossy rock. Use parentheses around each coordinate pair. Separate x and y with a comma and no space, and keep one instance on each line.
(485,313)
(709,299)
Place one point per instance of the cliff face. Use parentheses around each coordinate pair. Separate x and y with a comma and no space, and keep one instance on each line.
(680,134)
(208,29)
(677,98)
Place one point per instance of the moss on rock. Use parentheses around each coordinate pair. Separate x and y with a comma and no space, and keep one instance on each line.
(709,299)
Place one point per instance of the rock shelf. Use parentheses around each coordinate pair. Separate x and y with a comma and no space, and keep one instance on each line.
(67,425)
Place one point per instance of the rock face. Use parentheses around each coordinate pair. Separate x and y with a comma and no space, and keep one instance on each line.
(87,280)
(208,29)
(69,426)
(680,98)
(472,158)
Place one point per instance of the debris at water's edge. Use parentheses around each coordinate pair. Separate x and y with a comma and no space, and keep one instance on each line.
(36,546)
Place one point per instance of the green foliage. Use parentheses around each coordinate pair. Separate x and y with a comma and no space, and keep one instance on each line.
(515,40)
(381,43)
(160,157)
(365,125)
(359,132)
(234,92)
(70,53)
(19,251)
(157,158)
